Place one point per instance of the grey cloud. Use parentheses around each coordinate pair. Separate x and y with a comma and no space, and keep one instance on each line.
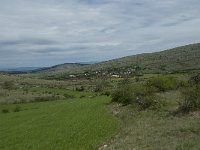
(57,31)
(27,41)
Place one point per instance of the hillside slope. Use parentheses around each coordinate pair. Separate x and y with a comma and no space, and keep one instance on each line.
(176,59)
(67,67)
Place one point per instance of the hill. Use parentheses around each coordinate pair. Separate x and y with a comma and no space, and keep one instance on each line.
(19,70)
(67,67)
(177,59)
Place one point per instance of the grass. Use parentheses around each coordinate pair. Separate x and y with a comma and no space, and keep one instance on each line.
(82,121)
(79,124)
(155,130)
(29,90)
(61,91)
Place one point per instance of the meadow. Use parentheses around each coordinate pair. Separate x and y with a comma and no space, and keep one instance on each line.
(64,124)
(148,112)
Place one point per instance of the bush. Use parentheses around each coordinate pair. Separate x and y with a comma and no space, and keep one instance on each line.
(123,95)
(3,93)
(46,98)
(9,85)
(17,108)
(141,96)
(147,101)
(163,83)
(182,83)
(80,89)
(5,111)
(191,96)
(190,101)
(68,96)
(82,96)
(101,86)
(142,90)
(195,79)
(106,93)
(145,97)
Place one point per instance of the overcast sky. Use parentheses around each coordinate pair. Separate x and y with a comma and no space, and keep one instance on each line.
(48,32)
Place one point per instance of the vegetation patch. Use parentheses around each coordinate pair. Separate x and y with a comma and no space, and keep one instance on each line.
(190,96)
(5,111)
(68,96)
(139,95)
(144,107)
(145,130)
(17,108)
(163,83)
(57,125)
(123,94)
(46,98)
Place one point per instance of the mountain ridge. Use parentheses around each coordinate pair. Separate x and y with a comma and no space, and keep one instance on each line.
(170,60)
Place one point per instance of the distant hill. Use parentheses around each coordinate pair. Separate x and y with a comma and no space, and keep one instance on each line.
(18,69)
(67,67)
(177,59)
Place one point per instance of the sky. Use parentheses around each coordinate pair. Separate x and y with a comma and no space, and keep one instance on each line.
(48,32)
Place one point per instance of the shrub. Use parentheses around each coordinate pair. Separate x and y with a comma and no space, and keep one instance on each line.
(69,96)
(17,108)
(182,83)
(191,100)
(142,90)
(26,90)
(106,93)
(147,101)
(195,79)
(191,96)
(9,85)
(101,85)
(82,96)
(145,97)
(123,95)
(80,89)
(5,111)
(163,83)
(99,88)
(141,96)
(3,93)
(46,98)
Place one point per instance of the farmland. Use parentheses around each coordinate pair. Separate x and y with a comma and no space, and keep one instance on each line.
(63,124)
(45,114)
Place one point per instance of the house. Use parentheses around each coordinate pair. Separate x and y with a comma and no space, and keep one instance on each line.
(72,76)
(115,76)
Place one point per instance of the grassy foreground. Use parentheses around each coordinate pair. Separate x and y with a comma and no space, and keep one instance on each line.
(57,125)
(156,130)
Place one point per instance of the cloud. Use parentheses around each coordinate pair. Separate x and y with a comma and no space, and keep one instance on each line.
(48,32)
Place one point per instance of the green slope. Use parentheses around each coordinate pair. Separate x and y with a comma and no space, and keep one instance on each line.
(58,125)
(177,59)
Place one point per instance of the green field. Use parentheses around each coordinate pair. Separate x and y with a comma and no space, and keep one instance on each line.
(41,114)
(57,125)
(60,91)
